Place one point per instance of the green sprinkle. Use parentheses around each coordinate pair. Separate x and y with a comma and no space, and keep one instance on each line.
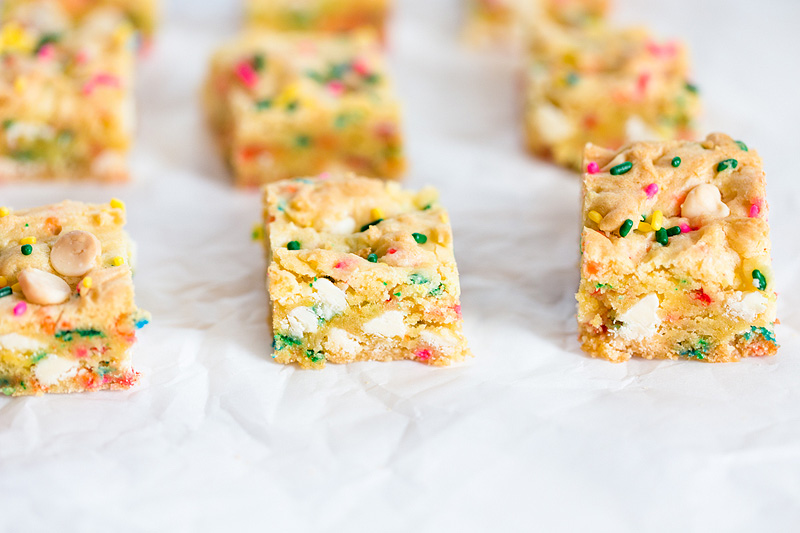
(759,281)
(27,249)
(676,162)
(691,87)
(365,227)
(338,70)
(303,141)
(259,62)
(5,291)
(622,168)
(674,230)
(661,237)
(644,218)
(397,294)
(315,357)
(293,245)
(437,291)
(418,279)
(7,123)
(47,38)
(626,228)
(742,146)
(340,122)
(293,105)
(768,334)
(280,341)
(572,79)
(420,238)
(728,163)
(68,335)
(601,286)
(372,258)
(372,79)
(261,105)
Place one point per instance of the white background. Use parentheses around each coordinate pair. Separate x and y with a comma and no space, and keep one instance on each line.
(528,435)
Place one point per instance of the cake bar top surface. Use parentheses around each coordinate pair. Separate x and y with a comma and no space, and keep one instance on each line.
(110,293)
(714,190)
(280,72)
(141,13)
(350,215)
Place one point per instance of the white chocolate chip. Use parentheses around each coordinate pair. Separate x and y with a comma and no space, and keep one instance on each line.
(338,341)
(389,324)
(552,124)
(301,320)
(43,288)
(75,253)
(641,320)
(19,343)
(52,369)
(704,200)
(747,306)
(330,299)
(637,130)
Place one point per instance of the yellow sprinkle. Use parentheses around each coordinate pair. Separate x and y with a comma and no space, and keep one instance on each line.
(14,38)
(87,282)
(28,240)
(15,287)
(595,217)
(117,204)
(4,212)
(644,227)
(118,261)
(20,85)
(657,220)
(377,213)
(3,281)
(123,33)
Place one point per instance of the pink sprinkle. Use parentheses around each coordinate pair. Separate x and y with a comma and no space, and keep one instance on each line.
(82,57)
(109,80)
(644,80)
(81,351)
(336,87)
(47,52)
(324,175)
(247,74)
(423,355)
(360,67)
(457,309)
(592,168)
(754,210)
(392,251)
(20,309)
(340,264)
(651,190)
(667,50)
(685,228)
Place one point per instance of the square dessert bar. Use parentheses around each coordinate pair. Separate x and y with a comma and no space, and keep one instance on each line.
(142,14)
(505,21)
(327,16)
(361,270)
(66,106)
(290,105)
(67,315)
(676,252)
(604,86)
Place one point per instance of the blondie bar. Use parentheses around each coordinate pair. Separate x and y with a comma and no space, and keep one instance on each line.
(289,105)
(67,314)
(604,86)
(66,106)
(328,16)
(676,252)
(505,21)
(142,14)
(361,270)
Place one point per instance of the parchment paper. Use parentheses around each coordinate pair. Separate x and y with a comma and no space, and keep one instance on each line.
(530,435)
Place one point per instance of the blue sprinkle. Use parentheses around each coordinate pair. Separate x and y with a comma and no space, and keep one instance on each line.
(142,323)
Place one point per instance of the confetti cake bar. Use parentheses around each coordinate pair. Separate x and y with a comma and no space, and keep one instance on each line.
(676,252)
(505,21)
(289,105)
(330,16)
(66,108)
(603,86)
(361,270)
(67,315)
(142,14)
